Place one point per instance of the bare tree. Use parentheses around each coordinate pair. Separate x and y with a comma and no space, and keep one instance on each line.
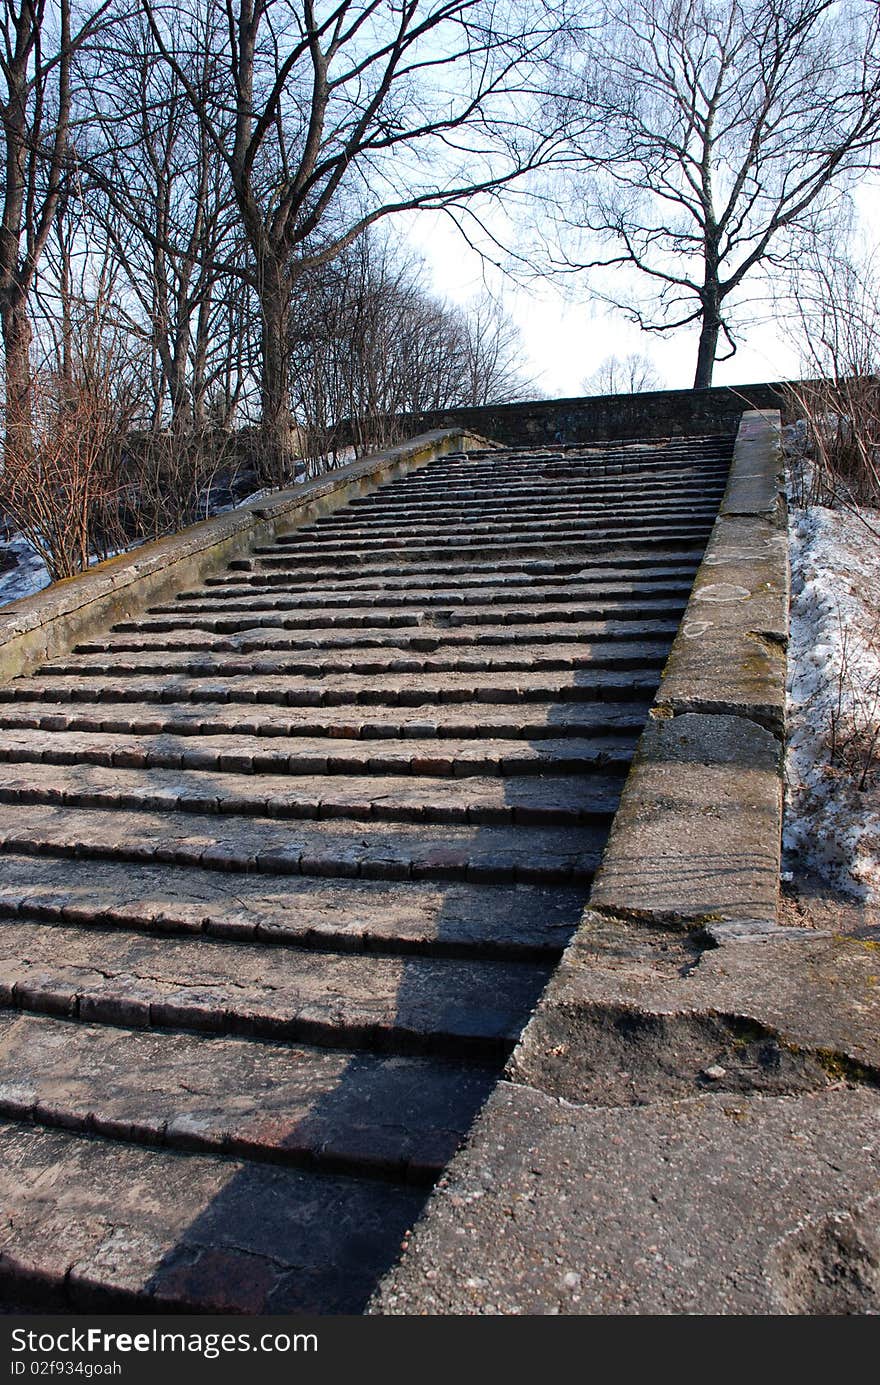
(329,116)
(628,374)
(66,491)
(160,204)
(837,323)
(711,132)
(493,355)
(370,342)
(38,39)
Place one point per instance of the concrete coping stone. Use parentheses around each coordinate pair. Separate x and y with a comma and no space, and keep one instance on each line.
(756,477)
(52,621)
(729,654)
(697,835)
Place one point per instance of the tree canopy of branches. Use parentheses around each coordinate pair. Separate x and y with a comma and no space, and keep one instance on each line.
(329,116)
(630,374)
(835,292)
(369,341)
(702,136)
(38,40)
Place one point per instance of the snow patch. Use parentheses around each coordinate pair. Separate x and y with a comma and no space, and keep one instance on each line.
(832,824)
(28,576)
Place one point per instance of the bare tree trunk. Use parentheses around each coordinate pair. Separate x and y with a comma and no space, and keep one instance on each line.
(276,291)
(707,350)
(16,329)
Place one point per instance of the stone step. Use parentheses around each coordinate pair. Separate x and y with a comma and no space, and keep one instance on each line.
(560,458)
(402,614)
(455,479)
(640,576)
(535,721)
(402,640)
(597,461)
(348,528)
(523,654)
(329,850)
(538,800)
(624,489)
(563,460)
(418,549)
(93,1225)
(412,1004)
(336,1110)
(577,494)
(471,570)
(507,922)
(427,690)
(388,515)
(619,598)
(319,755)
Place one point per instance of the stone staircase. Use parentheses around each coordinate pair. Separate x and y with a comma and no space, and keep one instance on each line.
(286,862)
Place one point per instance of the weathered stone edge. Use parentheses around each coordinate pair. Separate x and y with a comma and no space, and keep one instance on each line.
(48,624)
(729,654)
(735,744)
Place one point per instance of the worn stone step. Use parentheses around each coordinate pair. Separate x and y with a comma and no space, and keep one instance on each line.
(523,499)
(425,690)
(352,528)
(510,921)
(418,550)
(514,514)
(480,607)
(337,1110)
(535,721)
(586,536)
(469,478)
(93,1225)
(566,460)
(471,570)
(629,490)
(331,849)
(560,511)
(320,663)
(510,589)
(539,800)
(429,640)
(251,614)
(540,574)
(601,464)
(319,755)
(410,1004)
(563,459)
(554,501)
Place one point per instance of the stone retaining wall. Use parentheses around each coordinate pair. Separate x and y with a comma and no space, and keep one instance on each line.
(654,414)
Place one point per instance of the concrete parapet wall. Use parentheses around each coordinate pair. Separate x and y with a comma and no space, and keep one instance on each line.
(43,626)
(688,1122)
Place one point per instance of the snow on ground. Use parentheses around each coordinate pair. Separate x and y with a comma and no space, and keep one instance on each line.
(832,824)
(29,575)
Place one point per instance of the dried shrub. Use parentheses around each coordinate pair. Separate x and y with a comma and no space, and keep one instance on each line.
(61,487)
(840,403)
(854,716)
